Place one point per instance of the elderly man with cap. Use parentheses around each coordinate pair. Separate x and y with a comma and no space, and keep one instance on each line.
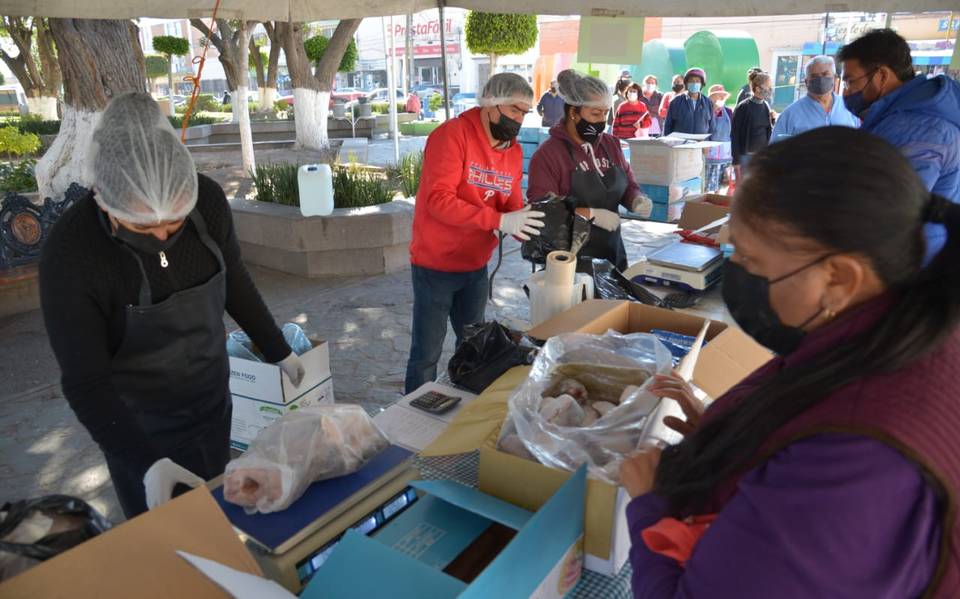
(821,107)
(691,112)
(582,161)
(470,189)
(134,282)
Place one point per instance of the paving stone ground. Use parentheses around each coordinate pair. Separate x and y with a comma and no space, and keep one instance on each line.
(43,449)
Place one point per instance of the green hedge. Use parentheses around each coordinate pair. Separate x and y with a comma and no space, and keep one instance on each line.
(18,176)
(354,186)
(13,143)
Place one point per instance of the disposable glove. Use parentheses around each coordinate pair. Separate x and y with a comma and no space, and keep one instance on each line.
(294,368)
(521,223)
(605,219)
(162,477)
(642,206)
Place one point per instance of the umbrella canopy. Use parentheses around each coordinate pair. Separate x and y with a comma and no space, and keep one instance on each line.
(314,10)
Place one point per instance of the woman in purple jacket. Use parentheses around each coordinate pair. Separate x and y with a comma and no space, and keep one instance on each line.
(582,161)
(833,470)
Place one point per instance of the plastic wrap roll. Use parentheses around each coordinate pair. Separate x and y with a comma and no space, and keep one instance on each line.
(561,267)
(546,301)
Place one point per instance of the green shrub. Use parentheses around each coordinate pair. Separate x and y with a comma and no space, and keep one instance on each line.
(14,143)
(281,105)
(34,123)
(177,121)
(277,183)
(356,187)
(18,176)
(384,107)
(436,102)
(409,171)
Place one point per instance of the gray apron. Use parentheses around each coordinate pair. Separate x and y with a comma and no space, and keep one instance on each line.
(593,191)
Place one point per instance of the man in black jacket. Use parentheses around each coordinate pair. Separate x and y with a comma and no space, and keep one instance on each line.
(134,281)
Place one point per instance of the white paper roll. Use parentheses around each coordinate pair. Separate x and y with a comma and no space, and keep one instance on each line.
(546,301)
(561,267)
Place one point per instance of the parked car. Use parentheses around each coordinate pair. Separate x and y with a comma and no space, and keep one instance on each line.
(463,102)
(425,91)
(381,94)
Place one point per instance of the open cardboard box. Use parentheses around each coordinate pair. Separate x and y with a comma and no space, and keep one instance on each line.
(138,558)
(701,210)
(728,357)
(441,547)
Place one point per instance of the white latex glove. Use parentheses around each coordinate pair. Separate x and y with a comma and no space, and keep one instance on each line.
(293,367)
(521,223)
(162,477)
(605,219)
(641,205)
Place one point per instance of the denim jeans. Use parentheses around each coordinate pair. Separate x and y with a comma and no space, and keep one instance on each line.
(437,295)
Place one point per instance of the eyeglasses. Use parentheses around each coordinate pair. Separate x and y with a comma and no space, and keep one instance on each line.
(847,81)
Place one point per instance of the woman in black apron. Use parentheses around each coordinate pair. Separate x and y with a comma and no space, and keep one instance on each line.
(135,279)
(581,161)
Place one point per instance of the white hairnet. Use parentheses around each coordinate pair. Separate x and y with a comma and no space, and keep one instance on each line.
(506,88)
(583,90)
(140,170)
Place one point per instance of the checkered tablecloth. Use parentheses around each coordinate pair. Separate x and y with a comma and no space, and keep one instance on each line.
(463,469)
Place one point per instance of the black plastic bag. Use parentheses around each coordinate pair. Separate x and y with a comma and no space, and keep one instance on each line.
(488,350)
(562,229)
(610,284)
(78,519)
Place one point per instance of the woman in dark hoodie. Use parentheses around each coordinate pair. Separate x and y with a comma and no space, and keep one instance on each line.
(582,161)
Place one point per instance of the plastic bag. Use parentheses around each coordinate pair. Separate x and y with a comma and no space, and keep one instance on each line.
(302,447)
(562,230)
(239,344)
(608,375)
(488,350)
(610,284)
(35,530)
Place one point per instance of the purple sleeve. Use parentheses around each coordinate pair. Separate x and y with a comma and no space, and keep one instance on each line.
(830,516)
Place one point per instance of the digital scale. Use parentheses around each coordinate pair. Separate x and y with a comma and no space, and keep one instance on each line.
(687,266)
(292,544)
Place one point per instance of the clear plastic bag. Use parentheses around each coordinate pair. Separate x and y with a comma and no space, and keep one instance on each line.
(607,377)
(302,447)
(239,344)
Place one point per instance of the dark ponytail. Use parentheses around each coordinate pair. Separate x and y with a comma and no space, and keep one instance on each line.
(853,193)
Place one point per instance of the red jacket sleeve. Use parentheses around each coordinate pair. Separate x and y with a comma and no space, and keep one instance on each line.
(443,162)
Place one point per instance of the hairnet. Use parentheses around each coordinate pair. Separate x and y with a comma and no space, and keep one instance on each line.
(583,90)
(139,169)
(506,88)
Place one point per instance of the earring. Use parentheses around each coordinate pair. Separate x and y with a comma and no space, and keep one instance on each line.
(828,313)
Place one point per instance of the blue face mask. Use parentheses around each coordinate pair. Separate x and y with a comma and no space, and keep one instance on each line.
(694,88)
(856,103)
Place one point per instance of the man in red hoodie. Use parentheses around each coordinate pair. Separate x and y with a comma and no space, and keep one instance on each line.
(470,188)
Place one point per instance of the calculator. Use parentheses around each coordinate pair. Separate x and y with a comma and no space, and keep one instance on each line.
(434,402)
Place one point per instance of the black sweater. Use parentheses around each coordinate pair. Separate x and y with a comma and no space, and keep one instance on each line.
(86,282)
(751,129)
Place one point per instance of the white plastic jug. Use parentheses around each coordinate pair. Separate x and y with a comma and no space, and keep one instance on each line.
(316,189)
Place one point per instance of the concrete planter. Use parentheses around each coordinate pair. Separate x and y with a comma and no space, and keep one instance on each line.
(353,241)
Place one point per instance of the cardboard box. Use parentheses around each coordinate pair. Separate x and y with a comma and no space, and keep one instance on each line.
(138,558)
(701,210)
(728,357)
(409,558)
(262,393)
(661,162)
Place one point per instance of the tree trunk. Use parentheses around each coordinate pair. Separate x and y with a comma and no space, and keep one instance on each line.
(171,110)
(23,66)
(43,106)
(330,64)
(241,111)
(98,62)
(260,70)
(49,68)
(311,130)
(493,64)
(268,93)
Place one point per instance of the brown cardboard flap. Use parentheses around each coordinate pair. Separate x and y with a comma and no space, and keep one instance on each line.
(592,316)
(138,558)
(727,360)
(698,213)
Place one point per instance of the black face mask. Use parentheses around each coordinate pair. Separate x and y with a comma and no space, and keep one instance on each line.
(590,132)
(146,242)
(505,129)
(747,296)
(678,87)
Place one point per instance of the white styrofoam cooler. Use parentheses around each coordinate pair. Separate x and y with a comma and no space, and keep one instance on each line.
(660,163)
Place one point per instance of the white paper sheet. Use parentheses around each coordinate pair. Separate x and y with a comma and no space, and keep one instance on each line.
(239,585)
(415,429)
